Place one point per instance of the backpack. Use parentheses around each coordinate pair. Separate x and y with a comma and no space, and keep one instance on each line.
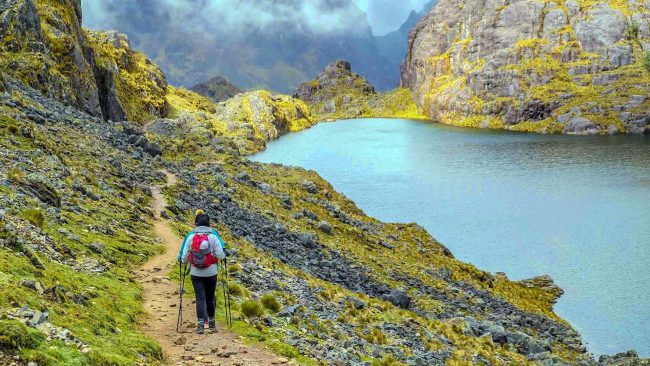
(200,253)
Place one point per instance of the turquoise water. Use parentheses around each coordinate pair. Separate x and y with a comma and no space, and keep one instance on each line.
(574,207)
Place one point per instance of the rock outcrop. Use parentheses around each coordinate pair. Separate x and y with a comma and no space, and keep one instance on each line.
(339,93)
(45,46)
(571,66)
(217,89)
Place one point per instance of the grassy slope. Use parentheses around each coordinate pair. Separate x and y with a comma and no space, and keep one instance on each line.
(107,320)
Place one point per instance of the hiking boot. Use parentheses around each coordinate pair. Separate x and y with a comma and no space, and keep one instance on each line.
(212,326)
(200,328)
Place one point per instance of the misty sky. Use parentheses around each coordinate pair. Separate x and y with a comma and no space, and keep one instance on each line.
(383,15)
(387,15)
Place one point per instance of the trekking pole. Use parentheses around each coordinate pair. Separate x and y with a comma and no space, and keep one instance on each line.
(225,272)
(182,273)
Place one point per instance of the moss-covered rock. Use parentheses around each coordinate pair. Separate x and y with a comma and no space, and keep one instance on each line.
(338,93)
(531,65)
(140,85)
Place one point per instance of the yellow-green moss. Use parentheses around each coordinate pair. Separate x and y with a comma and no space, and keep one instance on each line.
(140,84)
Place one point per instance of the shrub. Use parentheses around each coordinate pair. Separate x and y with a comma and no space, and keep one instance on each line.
(13,129)
(375,336)
(35,216)
(236,290)
(386,361)
(251,309)
(16,335)
(234,268)
(271,303)
(646,60)
(15,175)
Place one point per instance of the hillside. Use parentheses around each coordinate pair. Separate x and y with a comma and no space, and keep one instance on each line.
(313,278)
(573,67)
(338,93)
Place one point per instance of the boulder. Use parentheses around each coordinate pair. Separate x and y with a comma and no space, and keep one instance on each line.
(398,298)
(325,227)
(580,126)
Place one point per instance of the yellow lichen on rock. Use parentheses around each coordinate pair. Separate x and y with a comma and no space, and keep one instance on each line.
(569,66)
(141,85)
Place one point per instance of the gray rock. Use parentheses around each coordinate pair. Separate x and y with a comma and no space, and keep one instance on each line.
(398,298)
(637,126)
(325,227)
(307,239)
(309,186)
(289,311)
(98,248)
(38,318)
(580,126)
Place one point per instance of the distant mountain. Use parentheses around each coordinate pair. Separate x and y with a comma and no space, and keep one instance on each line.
(392,46)
(217,89)
(279,54)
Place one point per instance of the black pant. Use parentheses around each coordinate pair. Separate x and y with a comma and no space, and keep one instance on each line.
(204,288)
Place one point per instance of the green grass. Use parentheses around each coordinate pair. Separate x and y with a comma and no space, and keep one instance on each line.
(271,303)
(16,335)
(35,216)
(251,309)
(646,60)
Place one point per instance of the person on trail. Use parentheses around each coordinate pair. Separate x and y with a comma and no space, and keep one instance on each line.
(203,249)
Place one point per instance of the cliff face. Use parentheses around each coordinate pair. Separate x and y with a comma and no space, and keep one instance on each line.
(573,66)
(44,46)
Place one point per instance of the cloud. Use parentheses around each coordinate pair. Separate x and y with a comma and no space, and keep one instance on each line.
(227,16)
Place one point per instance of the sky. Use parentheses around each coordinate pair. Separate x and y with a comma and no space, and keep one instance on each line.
(383,15)
(387,15)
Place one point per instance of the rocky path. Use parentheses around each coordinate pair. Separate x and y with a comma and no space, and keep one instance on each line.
(161,303)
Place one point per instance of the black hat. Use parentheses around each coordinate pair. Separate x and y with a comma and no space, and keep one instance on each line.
(202,220)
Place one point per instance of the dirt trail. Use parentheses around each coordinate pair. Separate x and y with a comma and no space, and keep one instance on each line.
(161,303)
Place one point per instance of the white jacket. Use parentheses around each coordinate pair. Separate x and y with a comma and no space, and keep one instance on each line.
(215,247)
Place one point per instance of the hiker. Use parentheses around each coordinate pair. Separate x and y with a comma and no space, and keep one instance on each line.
(202,249)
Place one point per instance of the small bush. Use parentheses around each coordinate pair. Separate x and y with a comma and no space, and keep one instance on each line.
(386,361)
(376,336)
(35,216)
(251,309)
(15,175)
(271,303)
(16,335)
(646,60)
(236,290)
(13,129)
(233,268)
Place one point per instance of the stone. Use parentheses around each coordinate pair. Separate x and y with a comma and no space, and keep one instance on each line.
(33,285)
(580,126)
(289,311)
(97,247)
(153,149)
(637,126)
(398,298)
(325,227)
(38,318)
(309,186)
